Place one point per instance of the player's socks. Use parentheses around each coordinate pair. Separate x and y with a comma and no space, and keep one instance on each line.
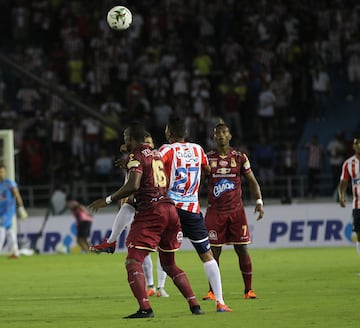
(148,271)
(246,270)
(213,274)
(181,281)
(122,219)
(161,275)
(137,284)
(13,242)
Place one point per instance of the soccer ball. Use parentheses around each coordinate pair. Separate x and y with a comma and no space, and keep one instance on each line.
(119,18)
(60,248)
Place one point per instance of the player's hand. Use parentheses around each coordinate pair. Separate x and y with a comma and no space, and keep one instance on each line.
(95,205)
(259,209)
(342,202)
(22,213)
(120,162)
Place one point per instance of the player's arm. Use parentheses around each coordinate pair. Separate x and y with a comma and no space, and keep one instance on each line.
(256,193)
(341,191)
(20,204)
(129,188)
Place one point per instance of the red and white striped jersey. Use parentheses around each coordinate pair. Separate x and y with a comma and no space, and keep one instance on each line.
(183,162)
(351,171)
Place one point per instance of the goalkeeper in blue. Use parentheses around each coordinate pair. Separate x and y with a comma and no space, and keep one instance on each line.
(9,198)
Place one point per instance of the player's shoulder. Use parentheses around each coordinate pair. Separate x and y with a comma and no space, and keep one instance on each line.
(165,147)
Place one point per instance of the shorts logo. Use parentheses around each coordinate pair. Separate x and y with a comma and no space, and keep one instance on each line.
(222,186)
(179,236)
(212,235)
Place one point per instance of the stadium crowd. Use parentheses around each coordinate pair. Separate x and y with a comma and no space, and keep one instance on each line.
(265,67)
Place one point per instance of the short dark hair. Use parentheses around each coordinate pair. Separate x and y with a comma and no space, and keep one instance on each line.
(137,131)
(221,124)
(357,135)
(177,127)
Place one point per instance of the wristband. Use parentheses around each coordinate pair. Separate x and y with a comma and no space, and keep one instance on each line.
(108,200)
(259,201)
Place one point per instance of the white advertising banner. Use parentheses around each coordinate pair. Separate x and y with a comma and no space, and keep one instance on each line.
(297,225)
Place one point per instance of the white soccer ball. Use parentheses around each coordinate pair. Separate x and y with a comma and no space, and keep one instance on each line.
(119,18)
(60,248)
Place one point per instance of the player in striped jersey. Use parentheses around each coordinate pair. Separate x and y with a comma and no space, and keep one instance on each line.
(183,163)
(351,171)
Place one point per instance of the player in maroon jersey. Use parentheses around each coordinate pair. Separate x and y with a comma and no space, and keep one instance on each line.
(156,224)
(351,172)
(225,215)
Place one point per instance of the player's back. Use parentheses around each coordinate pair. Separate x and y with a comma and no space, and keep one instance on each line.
(153,182)
(183,163)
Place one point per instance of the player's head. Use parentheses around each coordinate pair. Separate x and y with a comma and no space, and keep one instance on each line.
(134,134)
(356,143)
(222,135)
(175,129)
(149,140)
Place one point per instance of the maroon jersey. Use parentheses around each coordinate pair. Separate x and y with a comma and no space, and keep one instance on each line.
(224,181)
(153,182)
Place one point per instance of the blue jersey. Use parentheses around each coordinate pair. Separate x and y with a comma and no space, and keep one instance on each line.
(7,202)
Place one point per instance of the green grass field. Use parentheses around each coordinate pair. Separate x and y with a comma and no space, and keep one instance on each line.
(295,288)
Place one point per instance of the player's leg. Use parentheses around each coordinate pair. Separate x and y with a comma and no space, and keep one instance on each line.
(245,266)
(123,218)
(161,277)
(149,277)
(12,239)
(137,282)
(194,228)
(216,250)
(180,279)
(239,235)
(356,228)
(2,237)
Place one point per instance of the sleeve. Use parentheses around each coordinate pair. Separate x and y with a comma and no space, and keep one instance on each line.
(245,167)
(204,158)
(134,163)
(345,172)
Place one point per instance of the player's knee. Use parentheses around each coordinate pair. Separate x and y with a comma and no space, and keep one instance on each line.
(135,255)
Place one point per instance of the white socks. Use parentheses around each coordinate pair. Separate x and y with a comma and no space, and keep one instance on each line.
(2,237)
(12,240)
(148,270)
(161,274)
(124,217)
(213,274)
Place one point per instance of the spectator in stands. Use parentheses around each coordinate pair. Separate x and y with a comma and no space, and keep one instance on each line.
(336,150)
(315,165)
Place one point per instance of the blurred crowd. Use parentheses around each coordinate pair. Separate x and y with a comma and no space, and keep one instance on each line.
(263,66)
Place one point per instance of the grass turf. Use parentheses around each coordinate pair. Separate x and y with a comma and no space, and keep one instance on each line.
(296,288)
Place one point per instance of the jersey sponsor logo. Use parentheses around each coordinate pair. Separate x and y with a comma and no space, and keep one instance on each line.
(186,155)
(212,235)
(223,163)
(223,170)
(233,162)
(213,163)
(222,186)
(179,236)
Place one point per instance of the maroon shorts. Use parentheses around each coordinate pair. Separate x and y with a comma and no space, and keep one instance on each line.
(156,227)
(227,227)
